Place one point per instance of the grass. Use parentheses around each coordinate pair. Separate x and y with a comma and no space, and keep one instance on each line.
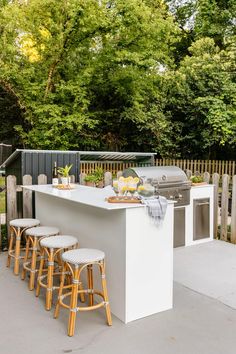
(2,196)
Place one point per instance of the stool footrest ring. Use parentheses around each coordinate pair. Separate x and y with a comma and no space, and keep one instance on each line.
(43,285)
(26,265)
(84,308)
(11,253)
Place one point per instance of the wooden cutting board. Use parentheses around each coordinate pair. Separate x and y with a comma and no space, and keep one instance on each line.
(63,187)
(123,199)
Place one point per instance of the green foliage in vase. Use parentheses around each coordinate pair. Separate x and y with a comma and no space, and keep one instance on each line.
(197,179)
(90,178)
(64,171)
(95,177)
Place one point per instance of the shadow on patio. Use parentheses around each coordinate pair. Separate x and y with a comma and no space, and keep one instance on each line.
(203,319)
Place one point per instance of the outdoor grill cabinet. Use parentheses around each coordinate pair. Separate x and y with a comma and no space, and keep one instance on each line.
(199,215)
(193,208)
(193,223)
(139,254)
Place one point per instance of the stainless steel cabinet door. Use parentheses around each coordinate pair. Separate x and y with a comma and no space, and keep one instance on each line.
(201,218)
(179,227)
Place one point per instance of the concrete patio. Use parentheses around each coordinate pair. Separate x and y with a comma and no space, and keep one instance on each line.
(203,320)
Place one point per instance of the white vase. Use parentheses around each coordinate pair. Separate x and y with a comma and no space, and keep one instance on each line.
(65,180)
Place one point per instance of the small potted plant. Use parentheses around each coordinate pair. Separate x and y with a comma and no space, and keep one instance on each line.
(95,179)
(90,180)
(99,175)
(197,180)
(64,173)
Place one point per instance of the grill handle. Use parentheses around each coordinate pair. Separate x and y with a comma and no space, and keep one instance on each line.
(205,203)
(171,184)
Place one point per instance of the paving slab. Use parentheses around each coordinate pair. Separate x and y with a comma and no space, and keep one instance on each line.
(208,268)
(196,325)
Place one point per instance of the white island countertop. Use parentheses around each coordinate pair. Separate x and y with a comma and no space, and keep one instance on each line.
(94,197)
(137,250)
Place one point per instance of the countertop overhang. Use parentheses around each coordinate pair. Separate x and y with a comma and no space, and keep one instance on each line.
(90,196)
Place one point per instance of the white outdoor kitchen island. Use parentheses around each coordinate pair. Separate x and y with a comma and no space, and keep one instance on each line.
(139,254)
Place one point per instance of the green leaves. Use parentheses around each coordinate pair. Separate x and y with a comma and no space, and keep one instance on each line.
(204,99)
(129,76)
(64,171)
(95,177)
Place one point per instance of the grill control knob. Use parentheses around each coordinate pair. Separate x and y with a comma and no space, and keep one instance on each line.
(180,196)
(171,197)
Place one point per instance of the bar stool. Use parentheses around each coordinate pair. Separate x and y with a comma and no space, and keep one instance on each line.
(17,228)
(51,248)
(33,236)
(76,261)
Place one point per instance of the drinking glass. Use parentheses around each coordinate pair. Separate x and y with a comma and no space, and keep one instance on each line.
(122,187)
(115,186)
(132,187)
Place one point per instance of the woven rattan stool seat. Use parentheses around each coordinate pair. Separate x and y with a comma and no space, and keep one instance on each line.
(33,237)
(51,249)
(24,223)
(41,231)
(61,241)
(77,261)
(83,256)
(17,229)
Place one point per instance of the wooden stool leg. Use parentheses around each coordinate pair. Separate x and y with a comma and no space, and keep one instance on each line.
(10,248)
(62,282)
(73,302)
(104,288)
(33,263)
(81,295)
(26,257)
(49,280)
(17,252)
(59,260)
(41,265)
(90,283)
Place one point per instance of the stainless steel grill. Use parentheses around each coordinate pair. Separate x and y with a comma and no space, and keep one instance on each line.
(169,181)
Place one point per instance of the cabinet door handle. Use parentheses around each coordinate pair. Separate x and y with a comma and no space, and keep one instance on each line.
(205,203)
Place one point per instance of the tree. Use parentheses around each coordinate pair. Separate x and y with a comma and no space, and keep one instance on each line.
(42,43)
(78,68)
(215,19)
(120,75)
(204,100)
(126,85)
(10,115)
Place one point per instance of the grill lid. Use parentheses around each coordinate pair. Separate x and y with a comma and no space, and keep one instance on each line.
(166,175)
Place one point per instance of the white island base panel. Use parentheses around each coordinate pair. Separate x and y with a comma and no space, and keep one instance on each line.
(139,254)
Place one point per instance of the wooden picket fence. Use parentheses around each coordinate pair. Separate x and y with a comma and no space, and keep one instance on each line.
(211,166)
(111,166)
(200,166)
(225,192)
